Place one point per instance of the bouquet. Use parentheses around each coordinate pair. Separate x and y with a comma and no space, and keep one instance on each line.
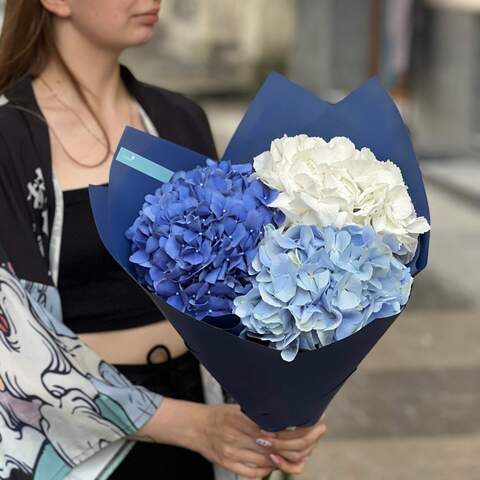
(284,263)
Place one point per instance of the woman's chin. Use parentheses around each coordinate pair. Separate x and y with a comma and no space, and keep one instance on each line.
(140,36)
(144,36)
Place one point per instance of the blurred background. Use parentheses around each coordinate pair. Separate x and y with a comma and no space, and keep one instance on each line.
(412,411)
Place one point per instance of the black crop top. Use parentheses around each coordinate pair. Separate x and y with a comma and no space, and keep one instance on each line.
(97,295)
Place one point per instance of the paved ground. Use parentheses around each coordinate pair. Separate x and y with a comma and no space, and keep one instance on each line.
(413,408)
(412,411)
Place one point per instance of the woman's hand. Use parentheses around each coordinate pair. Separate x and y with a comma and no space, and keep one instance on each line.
(291,449)
(229,439)
(221,433)
(225,436)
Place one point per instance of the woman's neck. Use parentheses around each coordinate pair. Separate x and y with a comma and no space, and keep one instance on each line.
(95,68)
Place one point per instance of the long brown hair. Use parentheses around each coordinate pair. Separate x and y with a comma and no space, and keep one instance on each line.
(27,42)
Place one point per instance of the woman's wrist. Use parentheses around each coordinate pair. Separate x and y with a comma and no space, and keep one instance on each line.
(176,422)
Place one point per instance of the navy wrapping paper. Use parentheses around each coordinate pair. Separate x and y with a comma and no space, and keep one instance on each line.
(273,393)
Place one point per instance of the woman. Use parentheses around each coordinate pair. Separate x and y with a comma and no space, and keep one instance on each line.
(65,103)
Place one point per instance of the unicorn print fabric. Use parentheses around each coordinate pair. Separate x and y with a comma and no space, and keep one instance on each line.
(80,403)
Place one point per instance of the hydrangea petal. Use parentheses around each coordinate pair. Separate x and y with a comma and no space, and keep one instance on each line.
(140,257)
(334,184)
(307,300)
(202,230)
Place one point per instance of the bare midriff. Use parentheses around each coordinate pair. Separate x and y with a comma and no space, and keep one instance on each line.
(131,346)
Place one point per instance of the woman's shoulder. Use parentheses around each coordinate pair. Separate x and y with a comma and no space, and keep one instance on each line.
(10,117)
(23,138)
(14,131)
(17,112)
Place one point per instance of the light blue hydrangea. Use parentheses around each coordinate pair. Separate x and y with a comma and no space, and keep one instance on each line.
(313,286)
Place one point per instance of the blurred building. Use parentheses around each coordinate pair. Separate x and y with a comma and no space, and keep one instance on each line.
(331,49)
(340,43)
(217,46)
(448,78)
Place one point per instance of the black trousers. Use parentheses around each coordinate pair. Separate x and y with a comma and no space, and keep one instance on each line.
(178,378)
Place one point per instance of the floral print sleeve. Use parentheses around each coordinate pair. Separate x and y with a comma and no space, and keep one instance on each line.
(59,402)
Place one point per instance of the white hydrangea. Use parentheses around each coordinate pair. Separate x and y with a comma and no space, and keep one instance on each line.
(332,183)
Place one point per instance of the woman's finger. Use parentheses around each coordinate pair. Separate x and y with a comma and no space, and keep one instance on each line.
(247,471)
(235,441)
(297,444)
(241,422)
(246,425)
(296,457)
(253,459)
(292,434)
(286,466)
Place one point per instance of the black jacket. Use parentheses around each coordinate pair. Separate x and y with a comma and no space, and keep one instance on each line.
(59,402)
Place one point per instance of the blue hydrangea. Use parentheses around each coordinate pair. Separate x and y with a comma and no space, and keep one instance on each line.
(196,236)
(313,286)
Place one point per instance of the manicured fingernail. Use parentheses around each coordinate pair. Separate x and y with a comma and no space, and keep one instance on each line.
(269,434)
(263,443)
(275,459)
